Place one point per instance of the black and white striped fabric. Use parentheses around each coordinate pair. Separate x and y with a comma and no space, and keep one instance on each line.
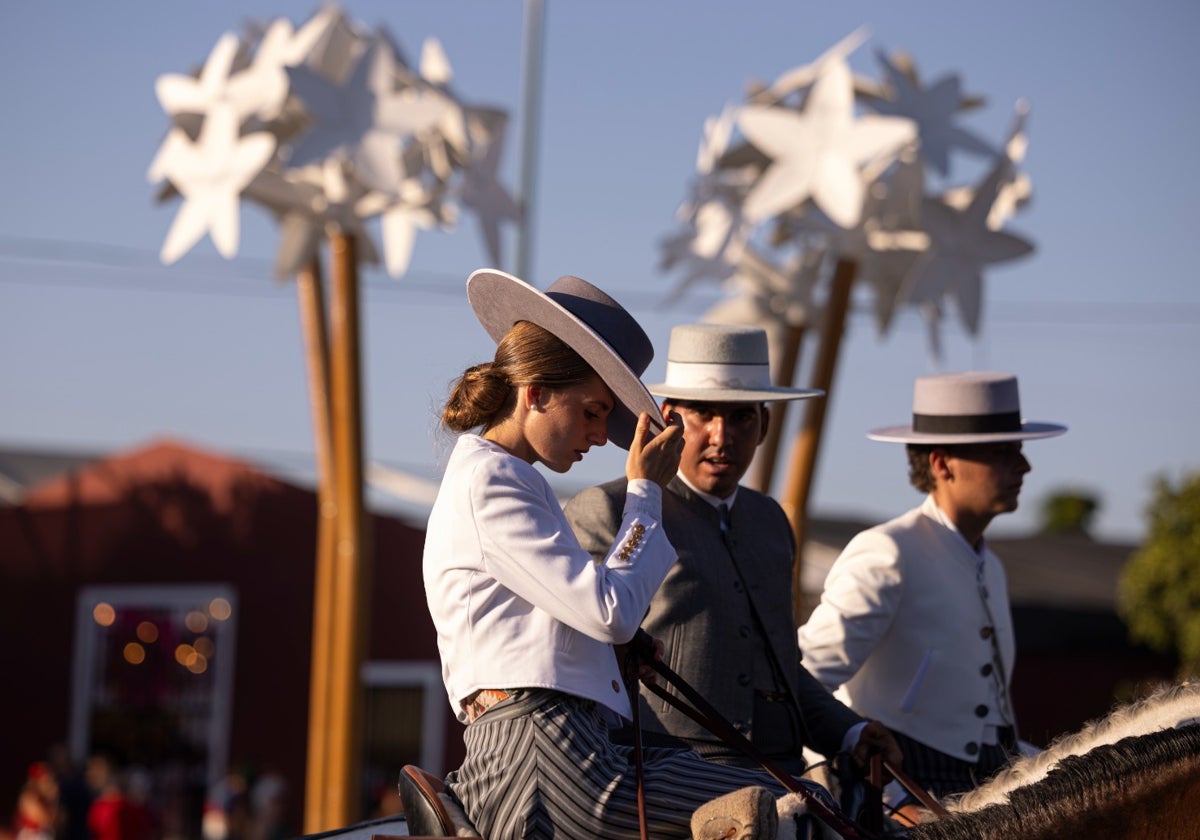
(541,765)
(942,774)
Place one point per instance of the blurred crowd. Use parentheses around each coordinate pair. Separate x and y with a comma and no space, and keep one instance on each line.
(106,800)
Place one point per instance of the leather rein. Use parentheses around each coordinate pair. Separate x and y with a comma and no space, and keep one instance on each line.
(641,652)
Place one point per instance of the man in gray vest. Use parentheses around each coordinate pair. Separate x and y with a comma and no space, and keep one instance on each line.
(724,612)
(914,627)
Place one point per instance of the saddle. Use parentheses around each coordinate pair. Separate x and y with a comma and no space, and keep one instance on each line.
(428,809)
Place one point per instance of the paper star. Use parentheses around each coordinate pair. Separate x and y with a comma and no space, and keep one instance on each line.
(211,174)
(309,202)
(256,91)
(481,189)
(363,120)
(960,244)
(932,109)
(801,78)
(816,153)
(1016,189)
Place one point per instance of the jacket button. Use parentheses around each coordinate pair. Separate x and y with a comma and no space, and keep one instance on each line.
(986,670)
(985,633)
(737,586)
(981,710)
(615,686)
(743,679)
(744,632)
(972,748)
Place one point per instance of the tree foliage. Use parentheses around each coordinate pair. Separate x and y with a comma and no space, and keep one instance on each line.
(1159,594)
(1069,512)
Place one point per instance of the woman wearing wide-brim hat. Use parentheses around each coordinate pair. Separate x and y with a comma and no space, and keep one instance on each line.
(914,627)
(526,620)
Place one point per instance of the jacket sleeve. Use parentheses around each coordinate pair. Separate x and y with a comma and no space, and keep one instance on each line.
(595,516)
(861,596)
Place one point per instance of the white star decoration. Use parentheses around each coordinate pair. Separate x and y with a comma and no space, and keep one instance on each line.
(832,188)
(932,109)
(960,244)
(817,153)
(211,174)
(327,127)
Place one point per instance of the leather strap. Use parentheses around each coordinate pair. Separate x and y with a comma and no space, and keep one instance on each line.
(700,710)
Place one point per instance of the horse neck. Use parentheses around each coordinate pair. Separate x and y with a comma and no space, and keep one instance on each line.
(1165,708)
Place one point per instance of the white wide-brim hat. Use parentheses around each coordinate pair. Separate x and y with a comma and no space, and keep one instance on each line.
(967,407)
(722,363)
(589,321)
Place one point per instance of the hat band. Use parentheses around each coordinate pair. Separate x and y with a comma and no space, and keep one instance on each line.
(723,375)
(967,424)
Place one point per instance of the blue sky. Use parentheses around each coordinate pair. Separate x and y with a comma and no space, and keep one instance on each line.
(103,347)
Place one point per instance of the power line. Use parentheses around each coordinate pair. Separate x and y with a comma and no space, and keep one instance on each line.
(210,275)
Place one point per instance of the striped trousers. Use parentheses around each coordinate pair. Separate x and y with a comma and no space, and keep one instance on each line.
(943,775)
(541,765)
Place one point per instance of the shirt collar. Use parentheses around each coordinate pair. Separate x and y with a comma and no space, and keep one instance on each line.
(932,509)
(715,501)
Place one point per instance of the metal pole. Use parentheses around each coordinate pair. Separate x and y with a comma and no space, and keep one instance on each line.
(531,89)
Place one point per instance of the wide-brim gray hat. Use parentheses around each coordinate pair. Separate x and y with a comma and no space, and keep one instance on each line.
(722,363)
(967,407)
(589,321)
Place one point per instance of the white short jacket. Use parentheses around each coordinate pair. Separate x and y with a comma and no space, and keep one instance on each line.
(516,601)
(900,632)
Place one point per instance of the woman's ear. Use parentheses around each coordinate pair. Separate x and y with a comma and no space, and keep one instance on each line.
(533,397)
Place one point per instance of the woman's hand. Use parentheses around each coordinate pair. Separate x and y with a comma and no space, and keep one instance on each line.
(652,456)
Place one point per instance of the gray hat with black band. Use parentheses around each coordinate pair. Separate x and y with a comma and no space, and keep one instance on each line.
(589,321)
(967,407)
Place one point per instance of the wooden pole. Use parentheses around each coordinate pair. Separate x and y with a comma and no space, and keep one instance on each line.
(768,453)
(804,453)
(311,294)
(349,604)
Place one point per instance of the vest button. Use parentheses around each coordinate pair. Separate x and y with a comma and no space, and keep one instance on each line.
(744,632)
(743,679)
(972,748)
(981,710)
(986,670)
(616,686)
(985,633)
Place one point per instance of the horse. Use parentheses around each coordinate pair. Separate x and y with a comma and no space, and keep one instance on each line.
(1134,773)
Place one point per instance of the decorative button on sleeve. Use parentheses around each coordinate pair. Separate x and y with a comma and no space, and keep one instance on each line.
(633,543)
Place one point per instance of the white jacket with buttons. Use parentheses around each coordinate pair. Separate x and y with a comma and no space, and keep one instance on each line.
(899,632)
(516,601)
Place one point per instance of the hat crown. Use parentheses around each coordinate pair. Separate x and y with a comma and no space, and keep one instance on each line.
(970,394)
(718,344)
(607,318)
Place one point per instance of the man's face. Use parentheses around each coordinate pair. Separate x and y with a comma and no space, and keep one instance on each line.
(719,440)
(986,477)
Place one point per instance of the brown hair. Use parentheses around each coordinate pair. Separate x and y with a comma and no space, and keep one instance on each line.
(920,474)
(527,355)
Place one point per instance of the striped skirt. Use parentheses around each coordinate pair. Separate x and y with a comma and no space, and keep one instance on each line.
(541,765)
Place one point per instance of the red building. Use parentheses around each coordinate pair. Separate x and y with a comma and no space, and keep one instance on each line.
(157,605)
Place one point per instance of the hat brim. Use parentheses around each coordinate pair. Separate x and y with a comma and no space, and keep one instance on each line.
(733,395)
(905,434)
(501,300)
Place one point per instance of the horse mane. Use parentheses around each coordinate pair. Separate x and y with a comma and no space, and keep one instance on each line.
(1143,785)
(1167,707)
